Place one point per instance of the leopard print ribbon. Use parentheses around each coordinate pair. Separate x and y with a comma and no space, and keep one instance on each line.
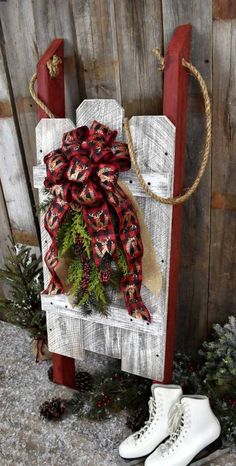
(83,175)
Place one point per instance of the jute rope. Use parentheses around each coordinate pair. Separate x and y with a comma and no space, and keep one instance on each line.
(53,71)
(206,146)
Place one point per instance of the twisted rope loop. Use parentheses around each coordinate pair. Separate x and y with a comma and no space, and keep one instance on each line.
(206,146)
(53,71)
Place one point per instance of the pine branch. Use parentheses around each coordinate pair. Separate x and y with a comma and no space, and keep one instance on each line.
(75,274)
(79,228)
(121,261)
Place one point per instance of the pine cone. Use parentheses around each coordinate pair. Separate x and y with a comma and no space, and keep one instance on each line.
(78,246)
(52,409)
(137,419)
(83,381)
(50,373)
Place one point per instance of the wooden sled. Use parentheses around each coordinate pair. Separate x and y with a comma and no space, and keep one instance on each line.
(144,349)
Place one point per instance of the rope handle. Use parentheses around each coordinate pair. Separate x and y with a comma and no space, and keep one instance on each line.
(54,70)
(206,146)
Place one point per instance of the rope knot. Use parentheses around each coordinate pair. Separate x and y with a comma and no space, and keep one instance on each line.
(53,66)
(161,59)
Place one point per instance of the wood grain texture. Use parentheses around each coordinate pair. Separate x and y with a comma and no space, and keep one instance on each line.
(12,173)
(176,81)
(224,9)
(142,355)
(107,111)
(4,240)
(102,339)
(159,182)
(65,335)
(118,316)
(193,290)
(97,50)
(222,299)
(139,29)
(22,54)
(55,20)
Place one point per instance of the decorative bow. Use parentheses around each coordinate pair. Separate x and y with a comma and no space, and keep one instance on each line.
(83,175)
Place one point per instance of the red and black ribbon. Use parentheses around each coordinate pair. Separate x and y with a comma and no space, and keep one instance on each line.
(83,175)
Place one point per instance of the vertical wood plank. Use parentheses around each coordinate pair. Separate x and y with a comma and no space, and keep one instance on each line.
(12,173)
(22,53)
(65,335)
(55,19)
(108,111)
(193,290)
(102,339)
(144,354)
(222,298)
(139,30)
(97,51)
(5,233)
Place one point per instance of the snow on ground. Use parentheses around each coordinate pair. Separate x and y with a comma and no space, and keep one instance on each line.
(28,440)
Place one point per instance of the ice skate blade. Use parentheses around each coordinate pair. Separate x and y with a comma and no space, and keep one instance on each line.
(208,453)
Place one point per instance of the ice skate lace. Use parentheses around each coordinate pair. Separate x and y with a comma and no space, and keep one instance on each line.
(179,421)
(153,411)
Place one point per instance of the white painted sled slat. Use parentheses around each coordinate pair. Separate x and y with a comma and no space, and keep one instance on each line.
(48,137)
(159,183)
(106,111)
(154,143)
(49,134)
(118,316)
(65,335)
(142,354)
(102,339)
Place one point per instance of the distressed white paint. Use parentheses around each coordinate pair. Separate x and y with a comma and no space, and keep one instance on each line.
(65,335)
(106,111)
(159,183)
(140,345)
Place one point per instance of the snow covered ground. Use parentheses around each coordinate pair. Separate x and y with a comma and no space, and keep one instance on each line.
(28,440)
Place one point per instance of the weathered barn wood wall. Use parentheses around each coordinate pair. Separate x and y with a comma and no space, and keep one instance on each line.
(108,47)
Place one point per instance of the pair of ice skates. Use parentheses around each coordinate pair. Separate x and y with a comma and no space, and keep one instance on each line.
(180,430)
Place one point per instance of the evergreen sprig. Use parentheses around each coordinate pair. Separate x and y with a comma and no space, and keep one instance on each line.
(75,274)
(78,227)
(72,226)
(44,205)
(214,374)
(23,272)
(95,299)
(112,392)
(121,261)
